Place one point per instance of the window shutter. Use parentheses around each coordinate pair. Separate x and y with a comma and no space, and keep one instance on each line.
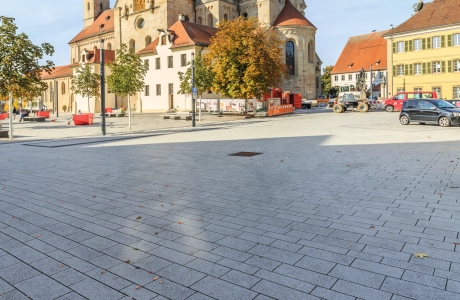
(449,40)
(424,68)
(443,67)
(411,45)
(394,47)
(411,70)
(428,43)
(406,46)
(443,41)
(423,44)
(394,71)
(449,66)
(406,70)
(428,67)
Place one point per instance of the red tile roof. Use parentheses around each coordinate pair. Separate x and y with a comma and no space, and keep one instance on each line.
(290,16)
(109,56)
(58,72)
(433,14)
(185,34)
(362,51)
(94,29)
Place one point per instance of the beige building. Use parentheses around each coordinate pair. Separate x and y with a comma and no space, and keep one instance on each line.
(138,23)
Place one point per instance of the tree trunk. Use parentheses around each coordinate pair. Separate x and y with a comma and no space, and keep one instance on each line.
(89,107)
(246,107)
(129,111)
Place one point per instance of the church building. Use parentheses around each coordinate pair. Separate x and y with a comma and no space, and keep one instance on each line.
(165,33)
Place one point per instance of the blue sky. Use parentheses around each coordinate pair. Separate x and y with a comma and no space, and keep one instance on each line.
(58,21)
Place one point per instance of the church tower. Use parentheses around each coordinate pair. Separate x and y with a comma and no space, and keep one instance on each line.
(92,9)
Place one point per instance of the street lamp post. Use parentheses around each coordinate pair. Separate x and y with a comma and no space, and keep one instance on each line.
(391,71)
(56,95)
(11,115)
(193,90)
(103,89)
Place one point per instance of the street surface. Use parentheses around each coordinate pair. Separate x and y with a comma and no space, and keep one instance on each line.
(335,207)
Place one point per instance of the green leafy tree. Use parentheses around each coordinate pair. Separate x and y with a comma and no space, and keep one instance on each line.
(86,83)
(21,62)
(326,79)
(127,73)
(245,59)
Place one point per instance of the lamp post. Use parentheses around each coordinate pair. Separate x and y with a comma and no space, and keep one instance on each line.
(11,115)
(391,71)
(56,95)
(371,88)
(193,90)
(103,88)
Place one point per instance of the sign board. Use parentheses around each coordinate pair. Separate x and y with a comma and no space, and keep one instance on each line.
(194,90)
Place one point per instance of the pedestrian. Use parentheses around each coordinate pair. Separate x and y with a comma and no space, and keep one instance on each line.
(21,115)
(79,112)
(14,112)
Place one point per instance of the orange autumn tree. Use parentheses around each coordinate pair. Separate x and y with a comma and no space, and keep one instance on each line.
(246,59)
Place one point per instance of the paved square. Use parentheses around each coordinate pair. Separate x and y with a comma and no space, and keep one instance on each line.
(335,207)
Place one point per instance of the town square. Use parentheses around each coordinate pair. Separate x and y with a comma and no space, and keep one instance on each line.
(219,150)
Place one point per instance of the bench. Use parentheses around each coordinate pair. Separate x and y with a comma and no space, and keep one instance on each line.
(175,117)
(36,119)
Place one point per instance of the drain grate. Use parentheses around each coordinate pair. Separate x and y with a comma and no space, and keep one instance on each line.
(246,154)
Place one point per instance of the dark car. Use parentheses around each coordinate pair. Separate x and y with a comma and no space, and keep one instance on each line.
(455,103)
(429,111)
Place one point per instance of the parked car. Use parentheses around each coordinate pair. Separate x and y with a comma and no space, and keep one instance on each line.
(395,103)
(429,111)
(455,103)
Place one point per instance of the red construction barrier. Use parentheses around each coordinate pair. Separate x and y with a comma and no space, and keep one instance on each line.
(277,110)
(4,116)
(83,119)
(43,113)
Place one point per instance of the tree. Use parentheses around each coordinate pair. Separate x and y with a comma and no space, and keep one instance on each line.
(245,59)
(203,77)
(86,83)
(127,73)
(21,61)
(326,79)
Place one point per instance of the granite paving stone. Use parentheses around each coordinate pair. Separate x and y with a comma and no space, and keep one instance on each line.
(220,289)
(42,287)
(92,289)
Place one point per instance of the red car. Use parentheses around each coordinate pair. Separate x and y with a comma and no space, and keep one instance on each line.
(395,103)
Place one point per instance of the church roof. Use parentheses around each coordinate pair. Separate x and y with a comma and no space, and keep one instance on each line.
(433,14)
(95,56)
(362,51)
(103,24)
(185,34)
(58,72)
(290,16)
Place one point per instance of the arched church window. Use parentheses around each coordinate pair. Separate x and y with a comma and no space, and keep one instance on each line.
(245,15)
(148,40)
(109,46)
(62,88)
(200,20)
(311,52)
(132,46)
(317,82)
(100,6)
(290,58)
(88,6)
(210,20)
(225,17)
(187,18)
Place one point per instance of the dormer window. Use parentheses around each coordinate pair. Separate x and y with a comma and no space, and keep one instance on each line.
(101,26)
(163,40)
(83,58)
(107,18)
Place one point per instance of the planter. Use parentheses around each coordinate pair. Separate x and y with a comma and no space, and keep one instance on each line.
(44,113)
(83,119)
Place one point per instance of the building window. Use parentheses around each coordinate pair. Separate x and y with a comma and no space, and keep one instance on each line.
(245,15)
(342,77)
(456,65)
(350,77)
(210,20)
(417,69)
(158,89)
(400,70)
(147,90)
(436,42)
(417,90)
(436,67)
(148,40)
(438,91)
(157,63)
(187,18)
(456,92)
(183,60)
(132,46)
(400,90)
(417,45)
(200,20)
(170,89)
(457,39)
(336,78)
(109,46)
(311,52)
(290,58)
(400,47)
(146,64)
(225,17)
(63,88)
(163,39)
(88,6)
(170,62)
(356,76)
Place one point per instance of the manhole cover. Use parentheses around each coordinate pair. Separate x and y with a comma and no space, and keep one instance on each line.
(246,154)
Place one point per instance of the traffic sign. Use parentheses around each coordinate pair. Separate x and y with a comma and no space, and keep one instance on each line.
(193,90)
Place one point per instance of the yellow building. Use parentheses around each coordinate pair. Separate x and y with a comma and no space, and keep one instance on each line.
(424,51)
